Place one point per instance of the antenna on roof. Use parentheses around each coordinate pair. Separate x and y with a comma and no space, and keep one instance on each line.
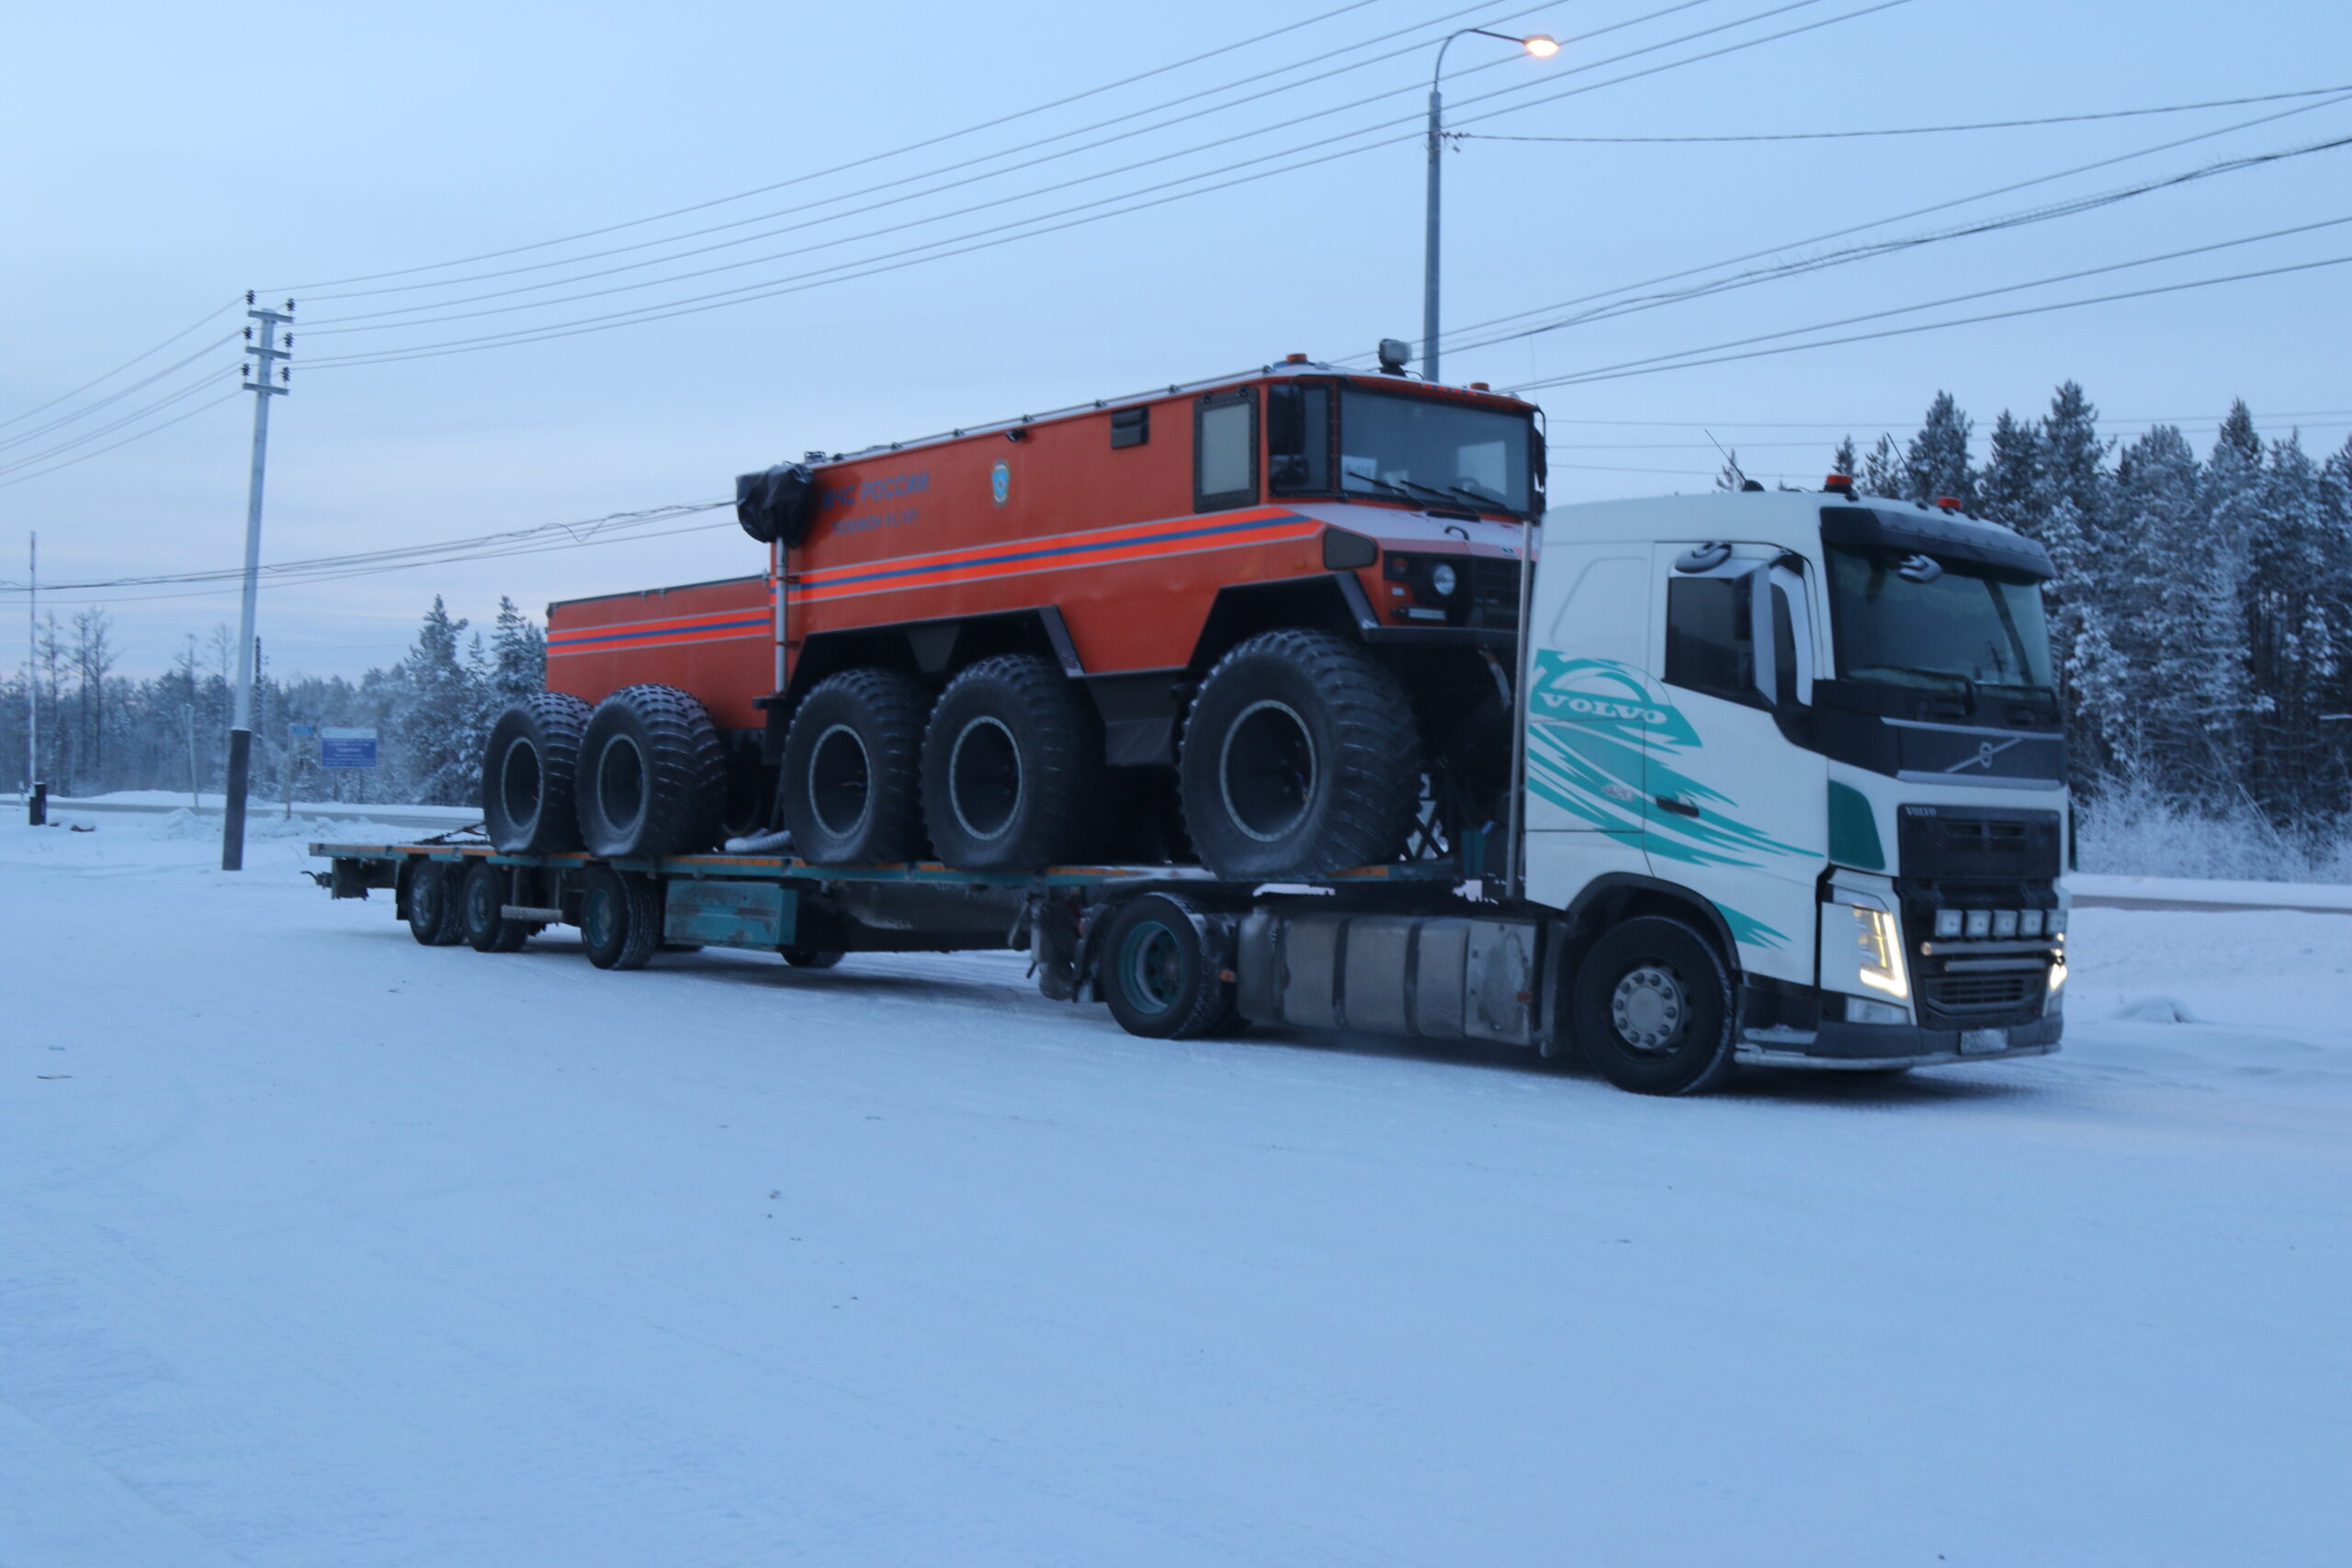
(1731,466)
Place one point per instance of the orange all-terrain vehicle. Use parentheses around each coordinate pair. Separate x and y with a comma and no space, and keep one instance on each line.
(1267,623)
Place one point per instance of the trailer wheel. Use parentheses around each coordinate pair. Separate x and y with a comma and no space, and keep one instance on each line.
(527,768)
(652,776)
(1161,970)
(850,791)
(1011,767)
(481,897)
(1652,1007)
(1300,759)
(435,917)
(812,958)
(620,918)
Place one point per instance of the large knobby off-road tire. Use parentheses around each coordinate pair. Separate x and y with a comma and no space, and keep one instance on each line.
(435,917)
(1300,759)
(1162,970)
(1652,1008)
(481,899)
(620,918)
(526,774)
(850,792)
(652,775)
(1013,767)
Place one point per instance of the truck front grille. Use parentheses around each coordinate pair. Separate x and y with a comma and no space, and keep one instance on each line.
(1973,1000)
(1494,593)
(1940,843)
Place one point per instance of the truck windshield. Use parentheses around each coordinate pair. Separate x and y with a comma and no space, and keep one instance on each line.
(1433,452)
(1913,621)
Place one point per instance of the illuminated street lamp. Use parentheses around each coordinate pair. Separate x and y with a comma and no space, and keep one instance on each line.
(1543,46)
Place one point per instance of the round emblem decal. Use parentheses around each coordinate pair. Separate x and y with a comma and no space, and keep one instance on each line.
(1000,481)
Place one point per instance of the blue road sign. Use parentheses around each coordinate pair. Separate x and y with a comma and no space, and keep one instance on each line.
(347,748)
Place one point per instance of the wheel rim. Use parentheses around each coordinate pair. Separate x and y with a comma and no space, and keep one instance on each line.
(597,920)
(620,785)
(841,781)
(1266,770)
(519,785)
(1650,1008)
(481,902)
(984,778)
(424,897)
(1151,967)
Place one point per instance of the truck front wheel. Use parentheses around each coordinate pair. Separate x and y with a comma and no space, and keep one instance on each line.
(849,791)
(1652,1007)
(1300,759)
(1011,767)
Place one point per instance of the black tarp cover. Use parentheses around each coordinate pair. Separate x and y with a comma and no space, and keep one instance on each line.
(778,504)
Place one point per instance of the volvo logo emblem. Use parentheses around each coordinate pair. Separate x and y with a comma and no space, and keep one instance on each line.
(1985,752)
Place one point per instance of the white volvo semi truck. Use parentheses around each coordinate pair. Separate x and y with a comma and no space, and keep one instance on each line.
(1791,791)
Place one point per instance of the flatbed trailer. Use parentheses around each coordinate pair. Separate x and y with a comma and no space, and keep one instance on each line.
(1163,945)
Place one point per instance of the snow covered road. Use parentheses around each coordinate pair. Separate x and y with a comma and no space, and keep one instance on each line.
(318,1247)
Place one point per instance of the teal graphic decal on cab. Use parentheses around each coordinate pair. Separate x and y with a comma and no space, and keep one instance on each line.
(1593,719)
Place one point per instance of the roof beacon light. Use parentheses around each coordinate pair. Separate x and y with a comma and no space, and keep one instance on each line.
(1948,502)
(1294,359)
(1839,484)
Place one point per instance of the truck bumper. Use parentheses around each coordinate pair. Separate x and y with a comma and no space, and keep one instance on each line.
(1867,1047)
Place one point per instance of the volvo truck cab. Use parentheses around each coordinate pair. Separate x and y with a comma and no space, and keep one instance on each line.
(1819,735)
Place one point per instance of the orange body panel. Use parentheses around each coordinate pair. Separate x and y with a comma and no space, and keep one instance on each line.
(1016,518)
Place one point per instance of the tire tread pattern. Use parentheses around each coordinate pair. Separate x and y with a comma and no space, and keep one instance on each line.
(685,783)
(892,709)
(1061,766)
(555,722)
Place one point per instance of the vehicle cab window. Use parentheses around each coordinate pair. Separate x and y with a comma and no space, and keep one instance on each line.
(1225,450)
(1735,628)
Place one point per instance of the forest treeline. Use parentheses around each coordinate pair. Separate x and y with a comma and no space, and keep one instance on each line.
(2201,621)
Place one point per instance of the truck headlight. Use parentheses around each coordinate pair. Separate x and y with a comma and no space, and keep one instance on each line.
(2057,997)
(1878,952)
(1442,581)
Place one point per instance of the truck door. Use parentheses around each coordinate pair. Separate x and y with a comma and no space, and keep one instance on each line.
(1734,802)
(1592,620)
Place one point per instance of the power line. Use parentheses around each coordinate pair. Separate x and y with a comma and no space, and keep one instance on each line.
(838,168)
(1612,373)
(1614,310)
(126,441)
(872,266)
(112,398)
(1913,129)
(1882,223)
(990,157)
(211,379)
(142,355)
(378,320)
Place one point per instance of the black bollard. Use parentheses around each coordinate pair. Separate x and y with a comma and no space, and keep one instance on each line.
(37,809)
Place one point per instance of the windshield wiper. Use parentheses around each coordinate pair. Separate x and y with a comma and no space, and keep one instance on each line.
(1484,502)
(1376,480)
(1966,684)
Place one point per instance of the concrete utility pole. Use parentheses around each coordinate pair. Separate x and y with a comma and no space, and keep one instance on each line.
(36,805)
(240,730)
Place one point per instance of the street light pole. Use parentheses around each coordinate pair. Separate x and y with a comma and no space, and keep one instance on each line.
(1540,45)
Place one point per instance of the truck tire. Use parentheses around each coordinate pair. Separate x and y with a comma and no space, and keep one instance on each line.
(526,774)
(620,918)
(1161,971)
(1013,774)
(850,792)
(1652,1008)
(1300,759)
(812,958)
(435,916)
(652,775)
(481,897)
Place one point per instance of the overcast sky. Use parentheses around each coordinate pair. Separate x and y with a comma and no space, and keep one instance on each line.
(162,159)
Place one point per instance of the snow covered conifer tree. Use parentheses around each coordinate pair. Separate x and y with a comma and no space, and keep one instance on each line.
(433,710)
(1883,470)
(518,655)
(1845,460)
(1937,462)
(2009,490)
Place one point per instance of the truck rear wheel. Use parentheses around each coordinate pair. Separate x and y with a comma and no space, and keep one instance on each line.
(1652,1007)
(652,776)
(850,792)
(1011,767)
(479,898)
(526,774)
(1300,759)
(433,916)
(620,918)
(1160,970)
